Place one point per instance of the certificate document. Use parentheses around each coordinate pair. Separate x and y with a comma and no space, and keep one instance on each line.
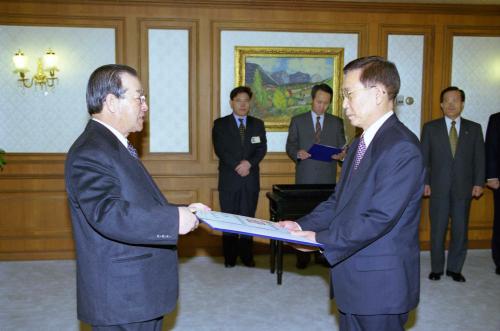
(250,226)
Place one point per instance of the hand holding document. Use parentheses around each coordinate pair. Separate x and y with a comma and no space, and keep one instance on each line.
(251,226)
(323,152)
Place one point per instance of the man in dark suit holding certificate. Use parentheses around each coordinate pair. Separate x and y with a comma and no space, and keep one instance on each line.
(240,144)
(369,226)
(125,230)
(315,127)
(453,149)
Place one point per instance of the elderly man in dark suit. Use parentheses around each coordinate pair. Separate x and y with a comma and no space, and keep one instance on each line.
(493,174)
(315,127)
(453,151)
(125,230)
(369,226)
(240,144)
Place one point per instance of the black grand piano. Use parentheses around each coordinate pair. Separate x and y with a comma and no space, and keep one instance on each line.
(290,202)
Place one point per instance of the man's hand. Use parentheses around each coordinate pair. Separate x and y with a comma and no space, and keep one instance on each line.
(307,235)
(302,154)
(290,225)
(493,183)
(427,191)
(477,191)
(197,206)
(340,156)
(187,220)
(243,168)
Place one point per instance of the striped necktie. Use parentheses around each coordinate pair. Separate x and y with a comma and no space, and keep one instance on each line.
(317,132)
(241,128)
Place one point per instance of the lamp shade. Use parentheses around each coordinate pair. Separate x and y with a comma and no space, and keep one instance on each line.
(50,60)
(20,61)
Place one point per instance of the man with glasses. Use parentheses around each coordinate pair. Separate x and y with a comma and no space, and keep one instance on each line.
(315,127)
(240,144)
(369,226)
(454,155)
(125,230)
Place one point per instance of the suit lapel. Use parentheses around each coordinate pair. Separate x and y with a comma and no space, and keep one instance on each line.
(443,135)
(124,156)
(462,136)
(356,177)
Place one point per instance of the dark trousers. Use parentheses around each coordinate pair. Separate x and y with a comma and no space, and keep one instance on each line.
(242,202)
(441,210)
(394,322)
(152,325)
(495,239)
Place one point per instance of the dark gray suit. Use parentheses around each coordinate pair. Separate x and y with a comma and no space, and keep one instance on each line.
(301,136)
(125,233)
(451,181)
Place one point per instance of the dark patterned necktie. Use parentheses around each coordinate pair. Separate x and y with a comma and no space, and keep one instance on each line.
(132,150)
(242,130)
(317,132)
(360,152)
(453,138)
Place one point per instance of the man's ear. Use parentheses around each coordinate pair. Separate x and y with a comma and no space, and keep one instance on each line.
(110,102)
(380,95)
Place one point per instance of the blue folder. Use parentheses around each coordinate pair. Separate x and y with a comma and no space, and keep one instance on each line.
(323,152)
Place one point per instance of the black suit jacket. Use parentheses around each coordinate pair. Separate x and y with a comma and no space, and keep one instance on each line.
(447,175)
(229,150)
(125,233)
(493,147)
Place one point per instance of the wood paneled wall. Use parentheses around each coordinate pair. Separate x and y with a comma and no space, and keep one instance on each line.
(34,218)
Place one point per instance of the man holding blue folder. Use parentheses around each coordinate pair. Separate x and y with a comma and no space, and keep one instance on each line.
(306,130)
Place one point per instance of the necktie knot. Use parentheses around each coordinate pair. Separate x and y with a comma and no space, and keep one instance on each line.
(131,149)
(360,152)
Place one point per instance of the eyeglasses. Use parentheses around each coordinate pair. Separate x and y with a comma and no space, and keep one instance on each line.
(141,99)
(348,95)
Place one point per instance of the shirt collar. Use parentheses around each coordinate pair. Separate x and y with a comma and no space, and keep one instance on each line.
(369,133)
(118,135)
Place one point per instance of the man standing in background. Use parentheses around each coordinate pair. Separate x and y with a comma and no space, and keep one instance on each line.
(492,176)
(314,127)
(453,150)
(240,144)
(125,230)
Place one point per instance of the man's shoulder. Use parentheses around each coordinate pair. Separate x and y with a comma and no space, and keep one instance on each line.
(434,123)
(471,124)
(333,118)
(223,119)
(254,119)
(301,116)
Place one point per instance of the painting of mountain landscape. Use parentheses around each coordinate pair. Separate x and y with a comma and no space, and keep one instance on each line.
(282,86)
(282,81)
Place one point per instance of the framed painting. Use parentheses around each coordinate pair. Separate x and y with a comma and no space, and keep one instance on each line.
(281,79)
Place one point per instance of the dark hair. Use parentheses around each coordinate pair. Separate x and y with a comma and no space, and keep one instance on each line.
(376,69)
(103,81)
(323,87)
(241,89)
(452,88)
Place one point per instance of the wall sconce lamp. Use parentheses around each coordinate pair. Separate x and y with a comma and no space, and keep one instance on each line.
(41,79)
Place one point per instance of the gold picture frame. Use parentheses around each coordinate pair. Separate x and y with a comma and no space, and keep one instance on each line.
(281,79)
